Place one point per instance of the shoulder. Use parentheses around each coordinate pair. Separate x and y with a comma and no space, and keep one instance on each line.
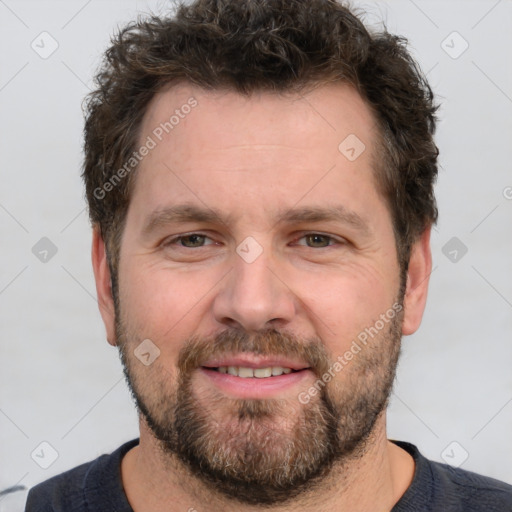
(474,491)
(438,486)
(72,490)
(61,492)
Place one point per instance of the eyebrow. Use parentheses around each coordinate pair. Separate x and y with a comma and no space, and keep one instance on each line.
(182,213)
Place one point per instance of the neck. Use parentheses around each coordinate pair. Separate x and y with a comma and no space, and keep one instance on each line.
(374,481)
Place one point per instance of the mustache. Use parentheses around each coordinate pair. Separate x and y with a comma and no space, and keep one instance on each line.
(197,351)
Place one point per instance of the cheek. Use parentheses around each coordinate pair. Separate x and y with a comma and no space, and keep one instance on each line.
(342,305)
(154,307)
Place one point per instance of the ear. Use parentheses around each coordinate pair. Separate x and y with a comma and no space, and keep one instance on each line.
(418,275)
(103,284)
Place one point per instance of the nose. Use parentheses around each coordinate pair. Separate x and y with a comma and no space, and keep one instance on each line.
(254,296)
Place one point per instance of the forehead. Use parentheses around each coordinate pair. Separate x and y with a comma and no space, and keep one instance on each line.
(214,146)
(328,112)
(224,130)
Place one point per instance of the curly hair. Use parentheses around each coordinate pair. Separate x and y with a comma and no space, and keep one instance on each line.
(262,45)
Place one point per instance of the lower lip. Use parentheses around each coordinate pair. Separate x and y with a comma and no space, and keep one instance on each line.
(253,387)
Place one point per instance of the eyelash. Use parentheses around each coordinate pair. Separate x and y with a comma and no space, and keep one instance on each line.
(176,239)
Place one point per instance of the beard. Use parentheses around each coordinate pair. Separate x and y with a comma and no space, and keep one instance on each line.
(262,451)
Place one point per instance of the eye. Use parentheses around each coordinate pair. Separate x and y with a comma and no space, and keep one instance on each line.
(190,241)
(198,240)
(318,240)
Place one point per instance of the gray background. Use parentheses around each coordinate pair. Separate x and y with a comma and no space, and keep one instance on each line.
(61,383)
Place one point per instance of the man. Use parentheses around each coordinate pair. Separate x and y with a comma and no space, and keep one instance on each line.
(260,181)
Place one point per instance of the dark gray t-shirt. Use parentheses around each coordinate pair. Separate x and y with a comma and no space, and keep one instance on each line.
(97,487)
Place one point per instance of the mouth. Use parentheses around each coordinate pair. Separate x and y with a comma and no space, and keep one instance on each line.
(255,377)
(246,372)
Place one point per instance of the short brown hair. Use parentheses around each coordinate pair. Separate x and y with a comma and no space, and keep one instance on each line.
(262,45)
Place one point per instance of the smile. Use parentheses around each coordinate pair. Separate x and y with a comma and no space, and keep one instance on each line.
(258,373)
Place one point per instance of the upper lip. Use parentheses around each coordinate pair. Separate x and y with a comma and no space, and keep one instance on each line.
(255,361)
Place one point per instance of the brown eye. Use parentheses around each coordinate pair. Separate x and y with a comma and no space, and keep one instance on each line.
(194,240)
(317,240)
(190,241)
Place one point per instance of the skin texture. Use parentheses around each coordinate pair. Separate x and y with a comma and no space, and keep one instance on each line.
(249,158)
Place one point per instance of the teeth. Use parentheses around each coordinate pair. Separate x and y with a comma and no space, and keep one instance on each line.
(259,373)
(262,372)
(245,372)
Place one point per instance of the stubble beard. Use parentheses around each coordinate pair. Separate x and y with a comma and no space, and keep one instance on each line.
(262,452)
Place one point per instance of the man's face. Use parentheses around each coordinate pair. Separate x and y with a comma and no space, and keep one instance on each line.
(266,286)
